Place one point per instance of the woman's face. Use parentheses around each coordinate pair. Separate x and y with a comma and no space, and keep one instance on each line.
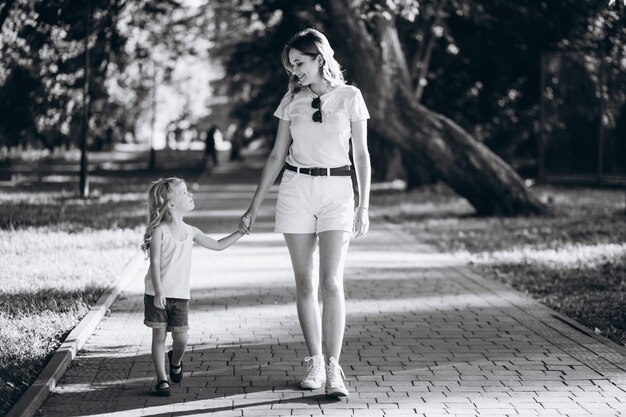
(305,67)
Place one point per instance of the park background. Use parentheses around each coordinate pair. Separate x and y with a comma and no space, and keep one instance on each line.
(498,134)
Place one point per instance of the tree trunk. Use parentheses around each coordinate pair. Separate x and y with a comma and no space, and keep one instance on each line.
(378,66)
(44,141)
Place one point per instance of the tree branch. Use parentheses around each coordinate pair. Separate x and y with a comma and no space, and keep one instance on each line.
(422,64)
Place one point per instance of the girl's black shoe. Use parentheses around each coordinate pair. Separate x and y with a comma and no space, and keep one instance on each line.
(176,378)
(163,388)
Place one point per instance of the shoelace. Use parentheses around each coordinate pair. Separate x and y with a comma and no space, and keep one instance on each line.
(313,365)
(333,375)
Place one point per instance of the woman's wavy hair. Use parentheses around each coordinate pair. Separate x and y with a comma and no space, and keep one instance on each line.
(158,193)
(312,43)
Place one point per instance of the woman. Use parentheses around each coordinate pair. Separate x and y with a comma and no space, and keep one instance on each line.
(318,116)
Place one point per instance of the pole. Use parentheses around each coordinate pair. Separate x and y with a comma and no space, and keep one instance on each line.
(542,118)
(601,127)
(152,159)
(84,179)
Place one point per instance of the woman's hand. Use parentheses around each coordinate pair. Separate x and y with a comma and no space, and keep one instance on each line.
(361,221)
(246,222)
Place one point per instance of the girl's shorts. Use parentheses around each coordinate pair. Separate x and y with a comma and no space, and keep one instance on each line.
(312,204)
(174,318)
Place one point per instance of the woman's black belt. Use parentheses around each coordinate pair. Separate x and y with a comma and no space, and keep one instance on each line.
(321,172)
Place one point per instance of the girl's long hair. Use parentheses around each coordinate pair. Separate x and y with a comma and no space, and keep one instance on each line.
(312,43)
(157,207)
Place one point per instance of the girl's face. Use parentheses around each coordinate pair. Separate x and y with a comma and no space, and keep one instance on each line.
(181,199)
(305,67)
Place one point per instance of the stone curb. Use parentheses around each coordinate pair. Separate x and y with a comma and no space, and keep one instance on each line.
(36,394)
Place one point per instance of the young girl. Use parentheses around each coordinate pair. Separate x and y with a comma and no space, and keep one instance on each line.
(168,241)
(320,116)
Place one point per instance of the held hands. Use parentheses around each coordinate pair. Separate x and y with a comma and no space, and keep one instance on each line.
(247,220)
(361,222)
(159,301)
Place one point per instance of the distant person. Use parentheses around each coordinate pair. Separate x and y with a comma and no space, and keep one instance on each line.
(213,135)
(318,118)
(168,241)
(236,142)
(108,139)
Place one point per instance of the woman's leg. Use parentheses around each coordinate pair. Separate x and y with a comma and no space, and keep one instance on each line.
(333,251)
(158,352)
(301,248)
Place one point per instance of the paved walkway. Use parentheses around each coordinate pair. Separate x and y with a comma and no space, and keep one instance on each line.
(424,337)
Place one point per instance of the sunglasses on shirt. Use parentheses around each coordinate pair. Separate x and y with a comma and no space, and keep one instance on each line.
(317,104)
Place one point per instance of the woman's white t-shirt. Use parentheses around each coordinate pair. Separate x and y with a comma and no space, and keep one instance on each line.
(326,144)
(175,265)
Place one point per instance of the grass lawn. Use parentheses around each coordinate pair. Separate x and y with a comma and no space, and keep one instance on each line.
(58,253)
(574,261)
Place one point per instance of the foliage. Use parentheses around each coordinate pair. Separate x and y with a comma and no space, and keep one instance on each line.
(485,67)
(42,41)
(42,69)
(484,72)
(490,64)
(249,42)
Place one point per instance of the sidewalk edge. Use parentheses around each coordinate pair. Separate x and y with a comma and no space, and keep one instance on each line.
(36,394)
(489,284)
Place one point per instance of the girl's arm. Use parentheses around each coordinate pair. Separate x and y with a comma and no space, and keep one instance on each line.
(363,170)
(207,242)
(274,164)
(155,267)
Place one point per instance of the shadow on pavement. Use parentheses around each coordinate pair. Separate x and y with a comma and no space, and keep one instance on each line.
(423,352)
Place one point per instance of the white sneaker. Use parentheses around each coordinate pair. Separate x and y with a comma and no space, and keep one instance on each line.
(334,380)
(316,374)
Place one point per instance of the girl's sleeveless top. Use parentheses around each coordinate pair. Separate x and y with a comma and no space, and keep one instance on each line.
(175,265)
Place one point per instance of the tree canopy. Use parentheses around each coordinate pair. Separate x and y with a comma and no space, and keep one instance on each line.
(485,67)
(42,66)
(482,70)
(468,70)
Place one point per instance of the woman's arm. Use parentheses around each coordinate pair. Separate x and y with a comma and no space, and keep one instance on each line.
(363,170)
(155,267)
(274,164)
(208,242)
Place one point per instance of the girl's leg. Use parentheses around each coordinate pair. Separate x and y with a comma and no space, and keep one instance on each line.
(179,344)
(333,251)
(301,248)
(158,352)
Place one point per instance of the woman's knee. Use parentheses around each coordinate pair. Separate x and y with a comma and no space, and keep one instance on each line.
(332,285)
(305,286)
(306,291)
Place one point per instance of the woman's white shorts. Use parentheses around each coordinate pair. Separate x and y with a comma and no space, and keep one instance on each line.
(312,204)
